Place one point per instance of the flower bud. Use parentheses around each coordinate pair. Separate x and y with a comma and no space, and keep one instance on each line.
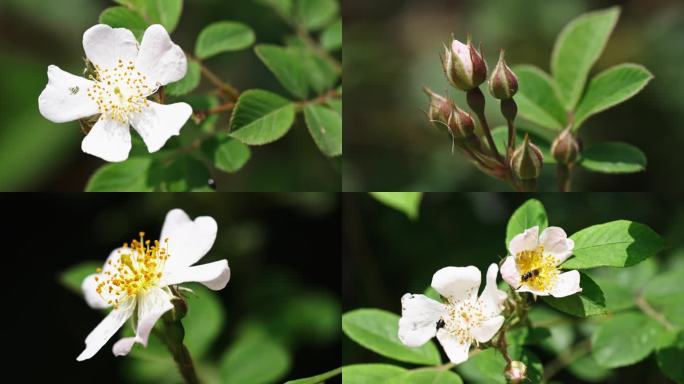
(503,84)
(527,160)
(516,371)
(460,123)
(440,108)
(565,148)
(463,64)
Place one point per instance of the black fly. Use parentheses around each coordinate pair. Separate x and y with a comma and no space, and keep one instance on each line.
(440,324)
(528,275)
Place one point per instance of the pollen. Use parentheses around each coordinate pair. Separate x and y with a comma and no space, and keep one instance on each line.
(120,92)
(540,270)
(136,268)
(462,317)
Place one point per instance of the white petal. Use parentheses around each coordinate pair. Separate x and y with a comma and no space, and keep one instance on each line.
(556,243)
(525,288)
(93,298)
(419,317)
(65,97)
(487,329)
(104,45)
(568,283)
(151,306)
(457,283)
(456,351)
(492,297)
(463,53)
(106,329)
(214,275)
(158,122)
(160,59)
(526,241)
(109,140)
(510,273)
(189,240)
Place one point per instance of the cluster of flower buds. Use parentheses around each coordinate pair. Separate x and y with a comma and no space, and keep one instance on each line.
(466,70)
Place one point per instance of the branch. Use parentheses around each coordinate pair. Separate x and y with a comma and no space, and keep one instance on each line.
(642,304)
(331,94)
(201,115)
(566,358)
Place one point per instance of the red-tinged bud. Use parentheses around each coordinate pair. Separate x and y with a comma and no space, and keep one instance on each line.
(527,161)
(503,83)
(439,109)
(565,148)
(461,124)
(516,372)
(464,66)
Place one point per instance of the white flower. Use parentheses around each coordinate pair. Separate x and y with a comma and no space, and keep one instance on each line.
(462,319)
(138,275)
(126,74)
(533,264)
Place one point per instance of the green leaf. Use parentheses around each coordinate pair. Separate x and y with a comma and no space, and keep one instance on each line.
(331,37)
(315,14)
(73,276)
(377,330)
(188,83)
(624,339)
(587,369)
(223,36)
(204,320)
(226,153)
(537,98)
(122,17)
(261,117)
(500,136)
(619,243)
(406,202)
(589,302)
(182,173)
(369,373)
(325,126)
(254,358)
(426,376)
(164,12)
(611,87)
(128,176)
(283,7)
(318,378)
(613,158)
(670,359)
(286,66)
(528,215)
(577,48)
(665,294)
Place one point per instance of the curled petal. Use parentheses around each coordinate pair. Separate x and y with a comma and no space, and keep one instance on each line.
(556,243)
(65,97)
(213,275)
(104,45)
(189,240)
(106,329)
(487,329)
(492,297)
(568,283)
(160,59)
(526,241)
(457,283)
(510,273)
(109,140)
(158,122)
(526,288)
(151,306)
(419,317)
(456,351)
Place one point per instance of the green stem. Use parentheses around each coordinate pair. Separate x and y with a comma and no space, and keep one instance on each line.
(564,174)
(476,101)
(172,336)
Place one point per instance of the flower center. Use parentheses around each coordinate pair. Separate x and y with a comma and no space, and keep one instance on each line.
(462,317)
(537,271)
(119,91)
(137,269)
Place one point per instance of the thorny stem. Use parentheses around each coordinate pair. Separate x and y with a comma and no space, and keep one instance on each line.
(172,337)
(566,358)
(564,175)
(476,101)
(503,346)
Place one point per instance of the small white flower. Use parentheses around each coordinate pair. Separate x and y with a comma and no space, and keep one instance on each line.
(462,319)
(533,264)
(138,275)
(126,74)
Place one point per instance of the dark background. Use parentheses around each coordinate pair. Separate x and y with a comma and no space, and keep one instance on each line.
(386,255)
(392,49)
(39,155)
(275,244)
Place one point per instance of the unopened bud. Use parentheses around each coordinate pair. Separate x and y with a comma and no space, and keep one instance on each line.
(439,109)
(503,83)
(516,371)
(527,160)
(461,124)
(565,148)
(464,66)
